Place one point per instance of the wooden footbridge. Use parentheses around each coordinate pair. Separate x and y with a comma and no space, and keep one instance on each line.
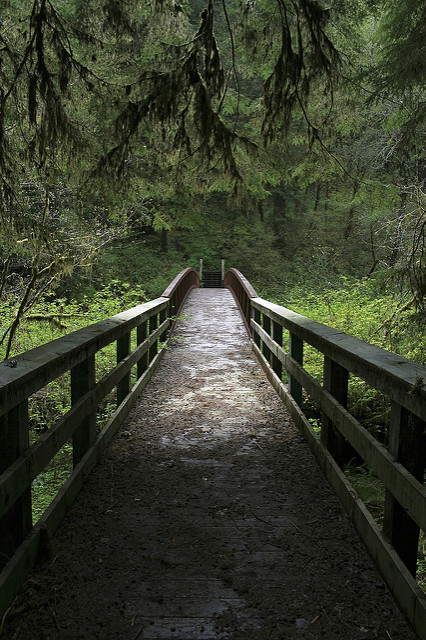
(140,335)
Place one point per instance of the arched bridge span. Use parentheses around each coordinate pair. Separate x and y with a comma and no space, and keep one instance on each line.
(219,446)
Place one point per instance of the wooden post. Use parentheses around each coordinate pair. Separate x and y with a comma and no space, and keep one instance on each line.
(83,378)
(123,350)
(266,323)
(336,382)
(163,316)
(296,352)
(153,324)
(14,440)
(201,270)
(141,335)
(407,445)
(223,270)
(256,318)
(277,336)
(246,307)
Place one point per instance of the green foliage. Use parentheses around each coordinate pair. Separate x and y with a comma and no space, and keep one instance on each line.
(48,482)
(363,308)
(48,404)
(139,261)
(369,488)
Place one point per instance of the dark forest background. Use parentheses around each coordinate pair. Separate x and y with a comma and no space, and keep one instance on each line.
(283,136)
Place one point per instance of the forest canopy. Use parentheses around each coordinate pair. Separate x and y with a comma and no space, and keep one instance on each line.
(293,125)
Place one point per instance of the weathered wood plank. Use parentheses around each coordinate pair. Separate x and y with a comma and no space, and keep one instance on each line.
(162,318)
(83,378)
(336,380)
(242,291)
(266,324)
(38,367)
(407,445)
(277,337)
(153,324)
(18,477)
(296,352)
(257,319)
(14,573)
(123,350)
(141,336)
(190,275)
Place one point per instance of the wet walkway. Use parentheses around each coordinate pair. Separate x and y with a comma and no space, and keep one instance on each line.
(207,518)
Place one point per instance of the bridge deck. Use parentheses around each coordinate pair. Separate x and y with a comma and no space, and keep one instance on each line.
(207,518)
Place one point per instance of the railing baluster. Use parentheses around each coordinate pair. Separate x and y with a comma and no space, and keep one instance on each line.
(406,444)
(123,350)
(397,378)
(83,378)
(256,318)
(277,336)
(14,440)
(266,324)
(163,317)
(296,352)
(336,380)
(141,335)
(153,324)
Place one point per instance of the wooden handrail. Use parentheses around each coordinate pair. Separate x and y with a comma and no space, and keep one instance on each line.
(21,463)
(34,369)
(400,466)
(179,288)
(391,374)
(242,292)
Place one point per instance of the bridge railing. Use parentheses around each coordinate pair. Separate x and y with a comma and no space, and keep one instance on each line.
(400,466)
(27,374)
(243,293)
(179,288)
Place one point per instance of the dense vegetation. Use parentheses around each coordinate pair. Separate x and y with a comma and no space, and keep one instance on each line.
(284,136)
(136,138)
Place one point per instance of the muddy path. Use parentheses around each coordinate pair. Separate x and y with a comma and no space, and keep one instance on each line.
(207,518)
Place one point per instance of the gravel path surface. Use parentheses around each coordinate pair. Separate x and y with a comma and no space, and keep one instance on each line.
(207,518)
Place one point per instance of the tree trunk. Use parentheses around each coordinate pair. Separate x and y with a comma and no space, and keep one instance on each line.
(260,210)
(350,220)
(397,240)
(375,259)
(317,196)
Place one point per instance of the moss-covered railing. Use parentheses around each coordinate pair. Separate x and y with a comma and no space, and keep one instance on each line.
(25,375)
(400,465)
